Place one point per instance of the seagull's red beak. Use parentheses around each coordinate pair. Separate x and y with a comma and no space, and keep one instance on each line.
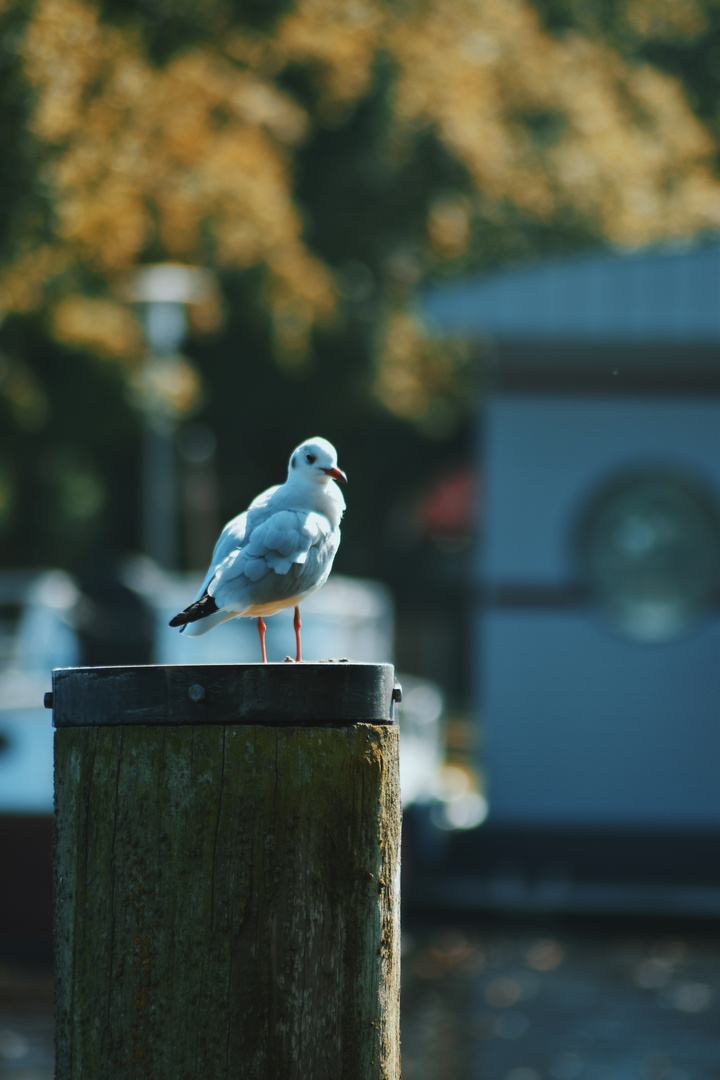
(337,474)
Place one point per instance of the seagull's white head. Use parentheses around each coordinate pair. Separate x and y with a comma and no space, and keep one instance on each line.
(316,460)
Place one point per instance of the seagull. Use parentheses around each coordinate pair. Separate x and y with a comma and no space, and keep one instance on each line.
(277,552)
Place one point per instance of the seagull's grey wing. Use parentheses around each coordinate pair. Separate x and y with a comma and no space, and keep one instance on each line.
(286,554)
(229,540)
(234,534)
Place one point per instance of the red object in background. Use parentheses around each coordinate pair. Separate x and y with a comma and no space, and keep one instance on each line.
(450,509)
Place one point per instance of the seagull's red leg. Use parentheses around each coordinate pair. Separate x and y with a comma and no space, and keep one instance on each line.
(261,632)
(297,624)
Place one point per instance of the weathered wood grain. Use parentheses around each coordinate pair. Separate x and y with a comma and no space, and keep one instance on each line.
(227,902)
(223,693)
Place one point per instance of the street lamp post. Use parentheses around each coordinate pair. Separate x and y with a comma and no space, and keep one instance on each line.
(161,293)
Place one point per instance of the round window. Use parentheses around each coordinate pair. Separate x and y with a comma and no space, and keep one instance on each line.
(648,546)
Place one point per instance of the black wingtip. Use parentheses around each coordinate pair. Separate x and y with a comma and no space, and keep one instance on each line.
(199,610)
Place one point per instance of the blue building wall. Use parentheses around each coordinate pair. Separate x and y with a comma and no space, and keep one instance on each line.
(583,725)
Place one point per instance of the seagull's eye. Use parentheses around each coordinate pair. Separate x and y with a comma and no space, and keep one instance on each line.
(311,459)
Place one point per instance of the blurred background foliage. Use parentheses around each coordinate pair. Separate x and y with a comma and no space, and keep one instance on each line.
(327,161)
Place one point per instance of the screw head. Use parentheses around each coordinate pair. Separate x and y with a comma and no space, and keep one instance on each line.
(48,700)
(196,693)
(397,692)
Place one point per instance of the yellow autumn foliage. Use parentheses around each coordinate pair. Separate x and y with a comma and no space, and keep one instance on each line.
(106,329)
(193,160)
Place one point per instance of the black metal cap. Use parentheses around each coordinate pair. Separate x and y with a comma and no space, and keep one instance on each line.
(330,693)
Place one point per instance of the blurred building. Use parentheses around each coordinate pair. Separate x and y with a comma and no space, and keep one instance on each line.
(597,580)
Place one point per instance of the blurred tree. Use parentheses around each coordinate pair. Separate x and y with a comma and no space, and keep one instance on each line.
(325,159)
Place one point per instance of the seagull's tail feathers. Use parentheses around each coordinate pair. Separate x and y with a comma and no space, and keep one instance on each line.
(202,626)
(201,616)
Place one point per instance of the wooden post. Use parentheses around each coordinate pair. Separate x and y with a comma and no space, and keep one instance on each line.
(227,872)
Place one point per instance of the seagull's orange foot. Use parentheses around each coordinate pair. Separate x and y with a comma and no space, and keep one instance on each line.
(261,632)
(297,624)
